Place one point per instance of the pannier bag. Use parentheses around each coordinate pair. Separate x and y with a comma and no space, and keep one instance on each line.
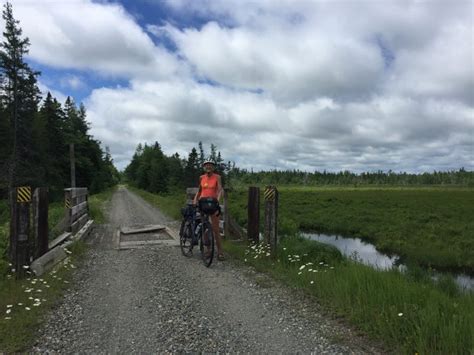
(187,211)
(208,205)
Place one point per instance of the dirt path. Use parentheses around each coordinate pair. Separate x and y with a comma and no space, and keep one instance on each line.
(154,299)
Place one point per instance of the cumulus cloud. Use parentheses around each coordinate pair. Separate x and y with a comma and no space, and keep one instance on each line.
(303,85)
(101,37)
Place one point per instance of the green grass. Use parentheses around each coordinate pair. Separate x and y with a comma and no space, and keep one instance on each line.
(97,204)
(432,320)
(18,333)
(427,226)
(170,203)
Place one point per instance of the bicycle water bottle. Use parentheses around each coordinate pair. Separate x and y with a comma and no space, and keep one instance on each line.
(198,230)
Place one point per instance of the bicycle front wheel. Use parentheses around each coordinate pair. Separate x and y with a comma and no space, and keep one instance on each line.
(207,244)
(186,238)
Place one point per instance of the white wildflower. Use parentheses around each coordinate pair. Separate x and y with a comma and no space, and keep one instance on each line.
(400,314)
(302,267)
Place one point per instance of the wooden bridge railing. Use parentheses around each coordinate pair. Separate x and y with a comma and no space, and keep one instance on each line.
(77,206)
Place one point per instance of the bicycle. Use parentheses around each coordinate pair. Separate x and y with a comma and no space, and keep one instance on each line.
(197,230)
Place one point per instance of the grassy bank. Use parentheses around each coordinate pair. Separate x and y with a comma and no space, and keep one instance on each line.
(427,226)
(97,205)
(407,312)
(24,303)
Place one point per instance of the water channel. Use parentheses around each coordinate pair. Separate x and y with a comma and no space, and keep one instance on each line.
(367,253)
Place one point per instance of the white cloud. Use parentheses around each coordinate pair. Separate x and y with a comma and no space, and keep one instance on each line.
(101,37)
(295,84)
(44,89)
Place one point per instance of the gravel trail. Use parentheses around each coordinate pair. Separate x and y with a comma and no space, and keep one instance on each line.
(155,300)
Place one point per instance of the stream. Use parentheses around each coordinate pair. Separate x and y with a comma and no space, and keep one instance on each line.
(366,253)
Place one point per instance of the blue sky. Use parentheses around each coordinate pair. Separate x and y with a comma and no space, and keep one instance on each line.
(311,85)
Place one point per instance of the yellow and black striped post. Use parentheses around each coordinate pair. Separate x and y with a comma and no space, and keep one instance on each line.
(23,194)
(271,217)
(20,229)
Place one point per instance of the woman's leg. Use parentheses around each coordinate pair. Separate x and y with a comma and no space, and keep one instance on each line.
(217,234)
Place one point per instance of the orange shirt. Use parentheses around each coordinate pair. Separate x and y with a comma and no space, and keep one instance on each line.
(208,185)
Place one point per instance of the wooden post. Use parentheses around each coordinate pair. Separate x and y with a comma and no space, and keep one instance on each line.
(73,164)
(253,220)
(20,228)
(68,206)
(40,208)
(271,217)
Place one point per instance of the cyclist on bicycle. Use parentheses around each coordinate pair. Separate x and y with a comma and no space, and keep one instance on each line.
(210,186)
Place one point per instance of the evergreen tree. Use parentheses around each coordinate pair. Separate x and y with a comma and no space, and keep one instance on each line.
(202,157)
(213,155)
(19,97)
(192,169)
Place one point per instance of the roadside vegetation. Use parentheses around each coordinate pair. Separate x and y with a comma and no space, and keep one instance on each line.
(431,226)
(24,303)
(408,312)
(169,203)
(97,203)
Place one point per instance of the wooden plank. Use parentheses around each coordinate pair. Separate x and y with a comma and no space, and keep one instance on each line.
(271,218)
(235,229)
(63,237)
(78,191)
(76,209)
(144,229)
(78,199)
(48,260)
(78,215)
(40,208)
(76,226)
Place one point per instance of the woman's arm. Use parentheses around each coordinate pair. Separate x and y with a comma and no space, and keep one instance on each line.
(220,190)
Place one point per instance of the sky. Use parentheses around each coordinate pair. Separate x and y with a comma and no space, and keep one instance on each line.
(275,84)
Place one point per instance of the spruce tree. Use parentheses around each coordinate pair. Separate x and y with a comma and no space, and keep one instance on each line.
(202,156)
(19,97)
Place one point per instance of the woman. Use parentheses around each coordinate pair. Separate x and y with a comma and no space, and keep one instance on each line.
(210,186)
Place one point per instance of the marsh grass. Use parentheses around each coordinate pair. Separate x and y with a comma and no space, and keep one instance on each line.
(432,227)
(408,315)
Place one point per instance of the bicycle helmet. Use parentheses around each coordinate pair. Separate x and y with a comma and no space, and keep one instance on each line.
(209,161)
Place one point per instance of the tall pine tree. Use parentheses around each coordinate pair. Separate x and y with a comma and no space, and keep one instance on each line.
(19,98)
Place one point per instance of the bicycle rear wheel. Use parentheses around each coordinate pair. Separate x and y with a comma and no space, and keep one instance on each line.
(207,244)
(186,238)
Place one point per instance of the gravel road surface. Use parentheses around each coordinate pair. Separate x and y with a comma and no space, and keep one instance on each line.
(154,300)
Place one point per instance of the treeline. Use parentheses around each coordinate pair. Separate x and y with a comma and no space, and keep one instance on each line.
(296,177)
(151,170)
(35,134)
